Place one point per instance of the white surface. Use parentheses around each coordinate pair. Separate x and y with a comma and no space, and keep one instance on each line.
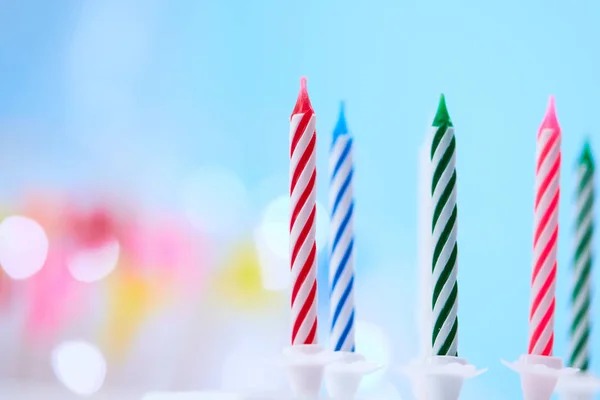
(193,396)
(34,391)
(49,391)
(40,391)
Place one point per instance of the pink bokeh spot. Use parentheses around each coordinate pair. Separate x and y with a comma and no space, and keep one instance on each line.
(54,298)
(169,247)
(92,229)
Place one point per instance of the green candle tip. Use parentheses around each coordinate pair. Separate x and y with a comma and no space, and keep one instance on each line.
(587,157)
(441,116)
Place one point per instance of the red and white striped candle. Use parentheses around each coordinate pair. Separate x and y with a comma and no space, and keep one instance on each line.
(303,197)
(545,239)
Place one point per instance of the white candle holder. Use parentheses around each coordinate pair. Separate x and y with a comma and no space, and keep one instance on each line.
(343,377)
(440,377)
(305,367)
(539,375)
(414,372)
(578,386)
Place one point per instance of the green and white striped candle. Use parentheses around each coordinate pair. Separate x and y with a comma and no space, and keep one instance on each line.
(444,228)
(582,262)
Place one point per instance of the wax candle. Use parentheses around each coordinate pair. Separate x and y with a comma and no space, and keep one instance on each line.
(547,189)
(303,196)
(424,248)
(582,262)
(341,238)
(444,227)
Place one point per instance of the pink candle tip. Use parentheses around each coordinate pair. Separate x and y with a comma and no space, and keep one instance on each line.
(550,119)
(303,103)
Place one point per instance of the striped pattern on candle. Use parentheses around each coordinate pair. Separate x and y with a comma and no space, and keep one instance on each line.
(341,245)
(547,190)
(444,235)
(303,249)
(582,264)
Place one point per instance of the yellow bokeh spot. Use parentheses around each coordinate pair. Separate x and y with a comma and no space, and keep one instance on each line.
(239,282)
(132,297)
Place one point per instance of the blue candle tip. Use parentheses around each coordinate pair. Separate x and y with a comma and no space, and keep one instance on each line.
(340,128)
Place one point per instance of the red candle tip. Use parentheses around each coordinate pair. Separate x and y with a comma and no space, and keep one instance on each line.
(303,83)
(303,103)
(550,119)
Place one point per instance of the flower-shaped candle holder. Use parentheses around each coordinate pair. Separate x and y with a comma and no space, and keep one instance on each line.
(539,375)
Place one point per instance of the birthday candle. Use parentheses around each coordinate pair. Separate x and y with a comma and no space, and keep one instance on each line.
(424,248)
(303,196)
(582,262)
(444,227)
(341,238)
(547,189)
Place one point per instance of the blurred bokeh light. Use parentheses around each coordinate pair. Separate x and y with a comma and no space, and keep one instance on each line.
(93,264)
(23,246)
(79,366)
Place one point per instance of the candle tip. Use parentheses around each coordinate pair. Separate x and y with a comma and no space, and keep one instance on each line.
(586,157)
(550,119)
(303,83)
(341,128)
(441,116)
(303,103)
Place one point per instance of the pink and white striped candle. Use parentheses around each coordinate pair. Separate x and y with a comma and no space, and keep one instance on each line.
(545,240)
(303,197)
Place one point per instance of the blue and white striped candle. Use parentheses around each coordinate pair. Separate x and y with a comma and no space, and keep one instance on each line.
(341,238)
